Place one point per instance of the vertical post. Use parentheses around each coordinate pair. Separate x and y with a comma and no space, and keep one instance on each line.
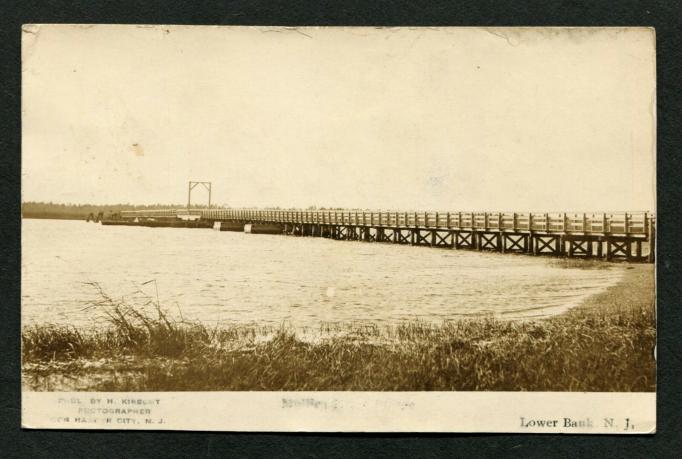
(584,223)
(652,240)
(448,219)
(189,195)
(608,249)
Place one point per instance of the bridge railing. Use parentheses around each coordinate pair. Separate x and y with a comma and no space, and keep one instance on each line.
(629,223)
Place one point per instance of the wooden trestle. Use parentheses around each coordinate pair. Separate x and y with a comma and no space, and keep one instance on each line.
(609,236)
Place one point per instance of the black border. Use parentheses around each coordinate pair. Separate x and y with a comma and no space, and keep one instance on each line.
(663,15)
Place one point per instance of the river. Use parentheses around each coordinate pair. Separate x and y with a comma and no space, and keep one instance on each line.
(230,277)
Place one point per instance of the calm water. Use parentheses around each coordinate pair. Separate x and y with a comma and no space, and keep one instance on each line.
(228,277)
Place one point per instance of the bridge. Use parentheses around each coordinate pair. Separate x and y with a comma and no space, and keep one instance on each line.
(609,236)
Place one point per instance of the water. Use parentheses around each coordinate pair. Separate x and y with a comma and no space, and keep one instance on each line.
(227,277)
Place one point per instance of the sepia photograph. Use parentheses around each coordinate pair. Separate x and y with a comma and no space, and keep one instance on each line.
(419,225)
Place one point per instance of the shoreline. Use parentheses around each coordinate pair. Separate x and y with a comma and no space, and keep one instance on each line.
(53,218)
(605,343)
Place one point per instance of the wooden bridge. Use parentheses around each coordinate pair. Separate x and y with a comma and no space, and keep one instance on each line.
(609,236)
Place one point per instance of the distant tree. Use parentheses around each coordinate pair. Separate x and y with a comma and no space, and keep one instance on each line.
(32,209)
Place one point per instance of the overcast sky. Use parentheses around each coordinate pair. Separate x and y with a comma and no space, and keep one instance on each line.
(448,119)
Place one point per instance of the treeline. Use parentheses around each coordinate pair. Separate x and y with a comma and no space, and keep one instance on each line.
(81,211)
(32,209)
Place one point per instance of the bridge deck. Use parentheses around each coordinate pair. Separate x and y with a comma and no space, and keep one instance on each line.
(619,235)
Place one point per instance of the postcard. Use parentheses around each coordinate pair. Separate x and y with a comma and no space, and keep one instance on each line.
(339,229)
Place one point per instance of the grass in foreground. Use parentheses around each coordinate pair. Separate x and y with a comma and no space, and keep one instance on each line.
(606,344)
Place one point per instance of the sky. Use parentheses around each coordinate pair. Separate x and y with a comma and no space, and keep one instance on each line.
(452,119)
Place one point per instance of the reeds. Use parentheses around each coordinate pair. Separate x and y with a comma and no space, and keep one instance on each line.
(605,345)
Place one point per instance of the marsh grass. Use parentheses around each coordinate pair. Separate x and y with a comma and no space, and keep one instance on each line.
(606,344)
